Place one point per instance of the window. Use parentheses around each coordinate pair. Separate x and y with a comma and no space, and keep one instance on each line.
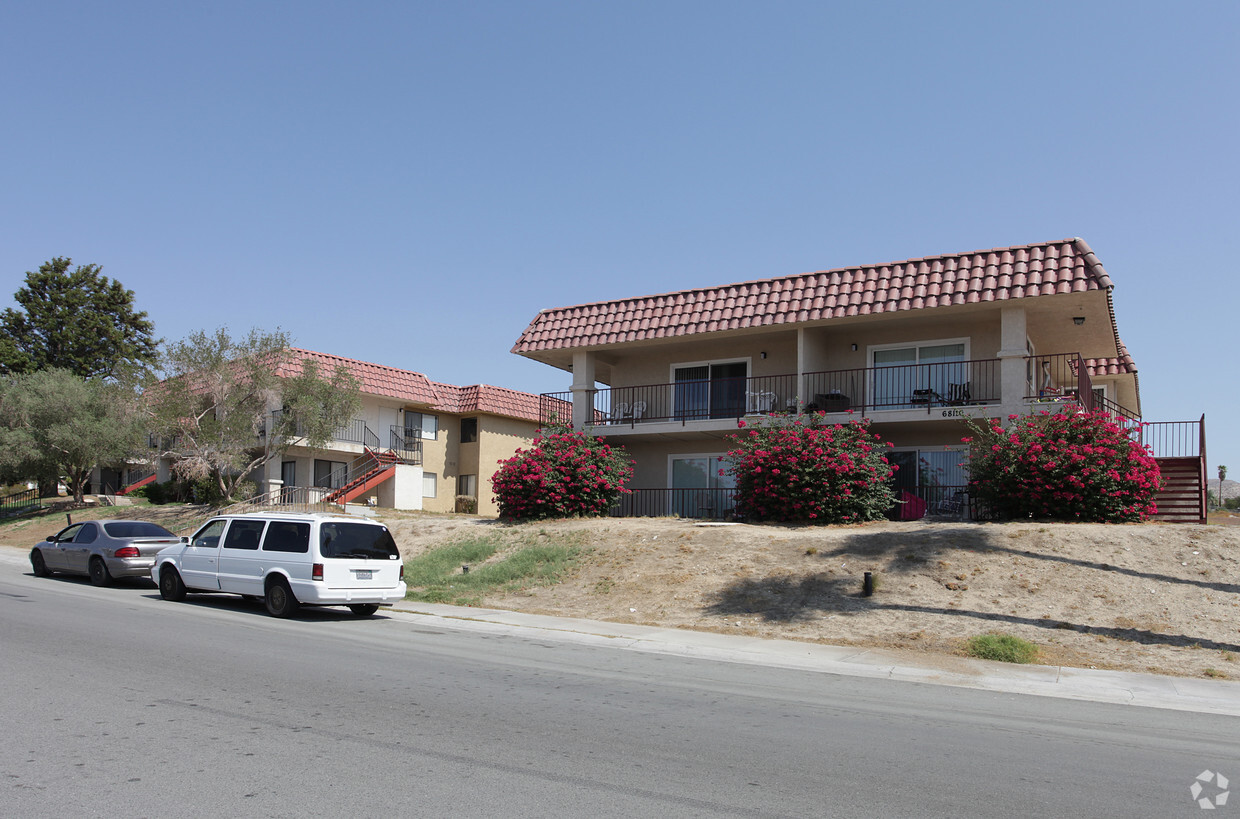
(329,474)
(208,537)
(358,540)
(244,534)
(913,375)
(469,430)
(285,536)
(86,534)
(467,485)
(429,479)
(135,528)
(710,390)
(698,488)
(927,480)
(421,425)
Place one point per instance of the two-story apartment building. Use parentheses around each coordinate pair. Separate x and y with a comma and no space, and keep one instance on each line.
(414,444)
(918,347)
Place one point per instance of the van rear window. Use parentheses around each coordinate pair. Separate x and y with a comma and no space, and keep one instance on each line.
(286,536)
(356,540)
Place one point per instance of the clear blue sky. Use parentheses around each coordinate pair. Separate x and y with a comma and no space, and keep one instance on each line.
(410,182)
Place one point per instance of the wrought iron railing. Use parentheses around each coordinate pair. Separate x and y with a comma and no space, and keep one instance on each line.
(405,444)
(19,503)
(914,386)
(1175,439)
(701,504)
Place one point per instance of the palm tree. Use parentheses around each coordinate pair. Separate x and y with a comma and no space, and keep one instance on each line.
(1222,474)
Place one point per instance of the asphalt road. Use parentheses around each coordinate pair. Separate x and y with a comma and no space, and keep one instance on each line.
(117,703)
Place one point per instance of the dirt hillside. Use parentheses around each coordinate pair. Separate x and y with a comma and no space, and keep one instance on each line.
(1151,597)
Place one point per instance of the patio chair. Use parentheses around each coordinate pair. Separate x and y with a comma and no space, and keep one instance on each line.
(926,396)
(958,394)
(951,506)
(619,412)
(639,409)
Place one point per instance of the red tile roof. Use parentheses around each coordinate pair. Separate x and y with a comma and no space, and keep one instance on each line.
(1067,266)
(414,387)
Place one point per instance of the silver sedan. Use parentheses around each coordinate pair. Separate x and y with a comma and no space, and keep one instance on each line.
(102,550)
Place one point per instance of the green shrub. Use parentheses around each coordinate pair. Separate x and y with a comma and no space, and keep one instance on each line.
(1002,647)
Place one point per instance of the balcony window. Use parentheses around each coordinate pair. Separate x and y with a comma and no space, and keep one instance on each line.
(915,374)
(710,390)
(421,425)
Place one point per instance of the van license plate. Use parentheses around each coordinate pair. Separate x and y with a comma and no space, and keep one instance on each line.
(365,574)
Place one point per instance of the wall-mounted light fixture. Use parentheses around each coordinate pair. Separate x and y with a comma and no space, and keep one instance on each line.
(1078,320)
(763,355)
(854,348)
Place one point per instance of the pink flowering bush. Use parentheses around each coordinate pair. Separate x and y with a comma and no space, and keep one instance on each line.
(799,469)
(566,474)
(1066,466)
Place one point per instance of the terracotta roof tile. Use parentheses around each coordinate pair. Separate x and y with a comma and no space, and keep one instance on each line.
(414,387)
(1026,271)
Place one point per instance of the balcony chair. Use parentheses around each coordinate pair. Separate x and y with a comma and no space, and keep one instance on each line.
(760,402)
(927,396)
(619,412)
(958,394)
(639,409)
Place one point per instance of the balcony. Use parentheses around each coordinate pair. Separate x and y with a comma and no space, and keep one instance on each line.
(938,389)
(923,388)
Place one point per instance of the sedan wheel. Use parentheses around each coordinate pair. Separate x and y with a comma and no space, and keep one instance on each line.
(38,565)
(99,574)
(171,587)
(279,599)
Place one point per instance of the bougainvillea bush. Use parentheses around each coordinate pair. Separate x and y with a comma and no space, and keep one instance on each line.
(1066,466)
(566,474)
(800,469)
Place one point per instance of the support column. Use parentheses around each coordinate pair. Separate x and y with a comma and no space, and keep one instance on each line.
(583,390)
(1013,348)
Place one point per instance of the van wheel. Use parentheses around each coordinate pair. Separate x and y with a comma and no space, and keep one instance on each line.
(171,587)
(363,609)
(38,565)
(99,574)
(279,598)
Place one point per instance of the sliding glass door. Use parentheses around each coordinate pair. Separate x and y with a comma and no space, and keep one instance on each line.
(710,390)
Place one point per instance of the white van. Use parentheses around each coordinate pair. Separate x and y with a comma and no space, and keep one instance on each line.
(288,560)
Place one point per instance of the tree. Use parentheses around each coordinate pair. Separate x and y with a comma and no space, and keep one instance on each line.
(57,425)
(1222,476)
(226,407)
(76,320)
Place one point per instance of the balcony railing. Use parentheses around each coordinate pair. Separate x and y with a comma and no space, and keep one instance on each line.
(918,386)
(700,504)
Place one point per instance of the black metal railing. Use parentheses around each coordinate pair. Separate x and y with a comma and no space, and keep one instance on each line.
(699,504)
(19,503)
(1175,439)
(914,386)
(406,444)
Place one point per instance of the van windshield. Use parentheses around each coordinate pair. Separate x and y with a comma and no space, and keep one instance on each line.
(356,540)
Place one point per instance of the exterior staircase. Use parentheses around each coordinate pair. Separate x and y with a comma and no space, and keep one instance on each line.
(137,484)
(1183,496)
(372,469)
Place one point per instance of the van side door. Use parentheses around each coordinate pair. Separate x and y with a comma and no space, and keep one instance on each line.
(241,566)
(200,559)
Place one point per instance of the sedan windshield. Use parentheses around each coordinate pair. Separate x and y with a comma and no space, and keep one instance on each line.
(135,528)
(357,540)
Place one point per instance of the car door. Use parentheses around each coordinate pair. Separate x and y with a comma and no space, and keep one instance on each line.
(241,567)
(55,549)
(77,553)
(200,561)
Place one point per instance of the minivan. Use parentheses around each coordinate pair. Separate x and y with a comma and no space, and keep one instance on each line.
(287,560)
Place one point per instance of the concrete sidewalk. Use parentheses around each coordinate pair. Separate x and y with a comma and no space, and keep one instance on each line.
(1122,687)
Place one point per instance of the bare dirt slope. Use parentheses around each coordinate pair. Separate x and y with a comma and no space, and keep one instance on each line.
(1152,597)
